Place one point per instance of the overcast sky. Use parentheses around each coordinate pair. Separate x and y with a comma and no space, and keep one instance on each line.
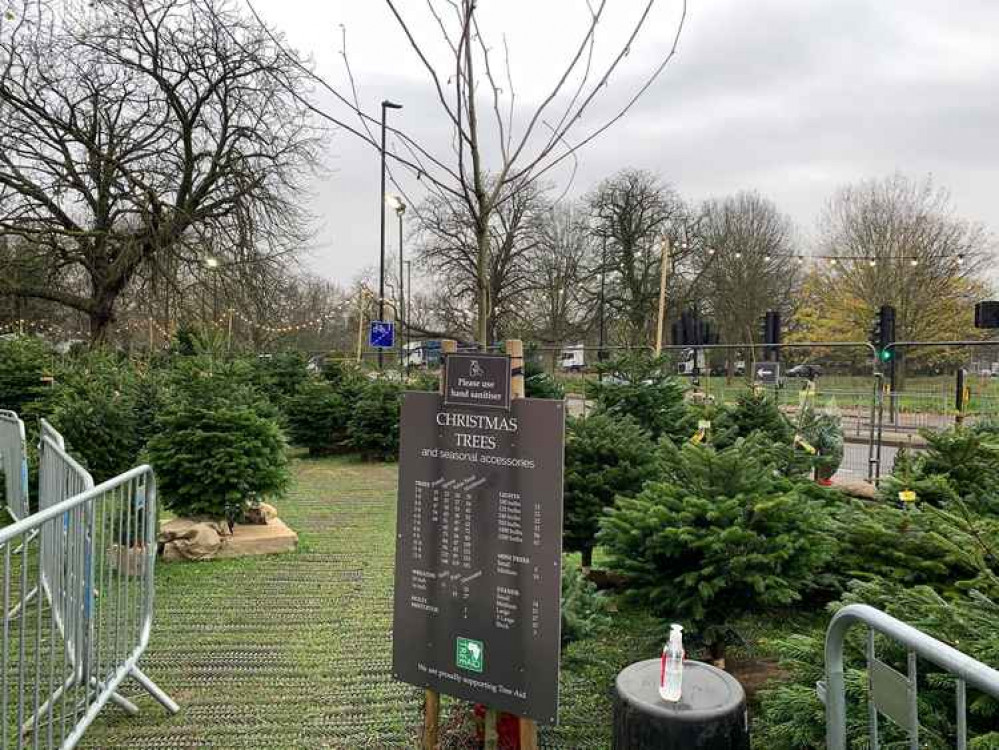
(788,97)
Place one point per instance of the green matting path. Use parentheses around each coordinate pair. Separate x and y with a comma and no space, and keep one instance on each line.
(294,651)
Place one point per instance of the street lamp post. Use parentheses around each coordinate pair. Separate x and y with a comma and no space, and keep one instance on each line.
(409,298)
(386,105)
(212,265)
(400,209)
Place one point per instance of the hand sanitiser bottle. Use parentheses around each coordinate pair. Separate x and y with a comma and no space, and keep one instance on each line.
(671,669)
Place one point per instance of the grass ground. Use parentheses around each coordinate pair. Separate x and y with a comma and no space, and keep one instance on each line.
(294,651)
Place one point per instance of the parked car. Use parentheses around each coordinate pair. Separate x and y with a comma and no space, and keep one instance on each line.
(804,370)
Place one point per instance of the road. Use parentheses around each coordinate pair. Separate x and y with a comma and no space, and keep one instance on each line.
(854,464)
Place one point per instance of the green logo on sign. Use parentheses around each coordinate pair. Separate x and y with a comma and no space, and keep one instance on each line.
(469,654)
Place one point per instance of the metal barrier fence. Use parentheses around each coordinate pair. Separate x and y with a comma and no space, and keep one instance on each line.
(891,693)
(66,652)
(14,464)
(47,430)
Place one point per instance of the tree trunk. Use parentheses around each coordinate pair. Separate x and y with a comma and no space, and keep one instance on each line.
(482,240)
(587,554)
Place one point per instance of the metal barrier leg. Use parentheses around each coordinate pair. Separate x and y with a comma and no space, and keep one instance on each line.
(123,703)
(154,690)
(23,603)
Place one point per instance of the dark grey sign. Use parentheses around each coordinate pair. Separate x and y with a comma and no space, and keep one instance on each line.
(477,380)
(767,373)
(478,552)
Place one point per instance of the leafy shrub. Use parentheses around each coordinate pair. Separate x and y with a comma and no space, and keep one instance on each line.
(318,416)
(373,427)
(605,456)
(639,386)
(584,609)
(720,536)
(212,459)
(24,361)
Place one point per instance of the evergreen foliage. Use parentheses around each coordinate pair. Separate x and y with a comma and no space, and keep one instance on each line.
(721,535)
(373,427)
(605,456)
(957,463)
(584,609)
(639,386)
(24,362)
(318,416)
(211,460)
(280,376)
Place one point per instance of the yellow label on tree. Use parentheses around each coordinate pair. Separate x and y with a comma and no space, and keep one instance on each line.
(806,446)
(907,496)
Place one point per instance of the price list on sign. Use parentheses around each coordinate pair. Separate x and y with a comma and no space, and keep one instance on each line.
(477,581)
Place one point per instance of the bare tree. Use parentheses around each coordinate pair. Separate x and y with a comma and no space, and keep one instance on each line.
(135,134)
(632,214)
(449,250)
(749,263)
(555,308)
(498,147)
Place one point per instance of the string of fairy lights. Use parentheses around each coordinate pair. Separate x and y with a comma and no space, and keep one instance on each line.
(24,325)
(841,260)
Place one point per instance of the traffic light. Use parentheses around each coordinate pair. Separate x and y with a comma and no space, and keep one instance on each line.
(690,330)
(987,314)
(883,332)
(771,335)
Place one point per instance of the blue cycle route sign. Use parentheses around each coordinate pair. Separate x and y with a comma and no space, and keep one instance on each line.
(381,335)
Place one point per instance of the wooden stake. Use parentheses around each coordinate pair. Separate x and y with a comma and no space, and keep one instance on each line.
(515,349)
(432,699)
(528,734)
(431,719)
(664,265)
(492,736)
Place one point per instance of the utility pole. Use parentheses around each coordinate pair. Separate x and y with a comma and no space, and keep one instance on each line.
(662,296)
(386,105)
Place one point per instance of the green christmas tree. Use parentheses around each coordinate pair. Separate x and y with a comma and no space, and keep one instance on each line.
(722,535)
(605,456)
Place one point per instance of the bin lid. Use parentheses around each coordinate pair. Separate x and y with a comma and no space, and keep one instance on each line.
(707,693)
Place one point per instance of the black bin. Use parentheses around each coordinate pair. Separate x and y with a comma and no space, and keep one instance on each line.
(710,715)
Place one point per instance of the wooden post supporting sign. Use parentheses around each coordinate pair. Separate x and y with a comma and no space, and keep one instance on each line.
(515,349)
(432,699)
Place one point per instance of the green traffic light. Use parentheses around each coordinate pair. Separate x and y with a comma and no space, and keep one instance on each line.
(885,354)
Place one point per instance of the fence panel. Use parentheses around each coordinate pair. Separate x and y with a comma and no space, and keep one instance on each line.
(14,464)
(65,653)
(892,693)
